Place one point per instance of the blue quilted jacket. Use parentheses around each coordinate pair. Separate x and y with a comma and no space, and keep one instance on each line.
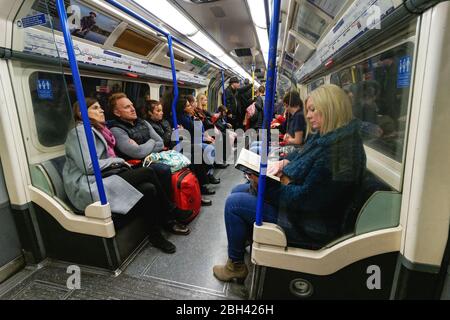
(324,175)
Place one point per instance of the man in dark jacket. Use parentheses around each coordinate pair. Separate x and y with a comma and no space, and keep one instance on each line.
(256,122)
(234,101)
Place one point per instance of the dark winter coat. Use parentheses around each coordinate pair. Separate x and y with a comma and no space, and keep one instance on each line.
(324,177)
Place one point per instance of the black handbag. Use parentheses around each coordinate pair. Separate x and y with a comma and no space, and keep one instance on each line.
(114,169)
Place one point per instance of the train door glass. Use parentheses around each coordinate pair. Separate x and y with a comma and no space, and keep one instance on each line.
(11,259)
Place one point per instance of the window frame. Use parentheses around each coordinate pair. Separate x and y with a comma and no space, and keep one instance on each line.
(385,167)
(37,151)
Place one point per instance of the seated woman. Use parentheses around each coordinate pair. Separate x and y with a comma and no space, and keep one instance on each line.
(201,110)
(317,183)
(187,118)
(295,124)
(127,190)
(153,113)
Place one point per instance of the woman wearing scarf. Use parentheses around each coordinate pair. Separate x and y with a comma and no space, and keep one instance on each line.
(128,190)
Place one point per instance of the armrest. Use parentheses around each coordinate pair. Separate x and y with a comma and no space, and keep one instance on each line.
(269,233)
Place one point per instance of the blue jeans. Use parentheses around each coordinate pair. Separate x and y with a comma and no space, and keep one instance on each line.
(210,153)
(256,147)
(240,215)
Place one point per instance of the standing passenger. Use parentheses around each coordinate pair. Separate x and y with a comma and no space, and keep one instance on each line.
(234,102)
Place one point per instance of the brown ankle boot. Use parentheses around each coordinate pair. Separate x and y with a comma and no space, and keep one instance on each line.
(232,270)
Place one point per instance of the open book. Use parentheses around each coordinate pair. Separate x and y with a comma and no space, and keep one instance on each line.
(249,162)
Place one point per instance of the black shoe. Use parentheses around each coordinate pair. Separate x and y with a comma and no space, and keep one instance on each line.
(206,202)
(158,241)
(213,180)
(181,215)
(206,191)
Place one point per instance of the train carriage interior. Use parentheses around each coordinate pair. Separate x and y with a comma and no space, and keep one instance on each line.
(390,57)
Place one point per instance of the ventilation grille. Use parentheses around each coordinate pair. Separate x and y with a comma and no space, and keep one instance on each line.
(244,52)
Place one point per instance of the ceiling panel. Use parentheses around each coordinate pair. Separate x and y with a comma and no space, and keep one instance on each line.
(226,21)
(229,23)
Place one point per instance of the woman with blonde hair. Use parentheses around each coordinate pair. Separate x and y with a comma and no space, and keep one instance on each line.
(202,101)
(318,183)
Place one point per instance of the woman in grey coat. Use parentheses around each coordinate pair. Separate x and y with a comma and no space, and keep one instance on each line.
(126,189)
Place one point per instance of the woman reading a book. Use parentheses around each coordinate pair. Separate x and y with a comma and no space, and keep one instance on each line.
(316,184)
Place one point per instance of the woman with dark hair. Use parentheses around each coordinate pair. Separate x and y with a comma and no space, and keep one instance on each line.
(154,114)
(127,190)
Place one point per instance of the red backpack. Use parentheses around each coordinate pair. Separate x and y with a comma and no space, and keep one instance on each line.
(186,192)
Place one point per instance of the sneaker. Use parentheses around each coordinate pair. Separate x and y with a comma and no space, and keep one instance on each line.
(158,241)
(206,202)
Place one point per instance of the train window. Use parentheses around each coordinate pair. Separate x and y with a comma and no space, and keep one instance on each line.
(93,25)
(379,88)
(315,84)
(102,89)
(51,108)
(308,23)
(334,79)
(329,7)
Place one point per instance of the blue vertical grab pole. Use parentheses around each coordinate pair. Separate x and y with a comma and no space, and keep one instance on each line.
(268,105)
(274,91)
(273,105)
(224,98)
(80,96)
(175,88)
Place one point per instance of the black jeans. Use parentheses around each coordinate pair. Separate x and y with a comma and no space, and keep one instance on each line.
(164,175)
(155,204)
